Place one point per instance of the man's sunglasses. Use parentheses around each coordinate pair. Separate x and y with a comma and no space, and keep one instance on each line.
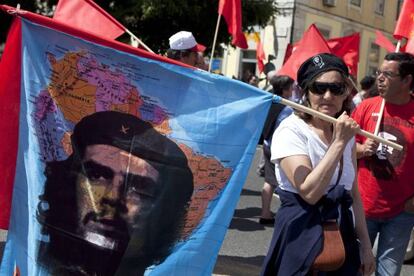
(320,88)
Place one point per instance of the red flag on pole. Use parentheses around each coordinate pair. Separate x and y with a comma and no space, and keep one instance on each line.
(312,43)
(260,54)
(88,16)
(288,52)
(405,23)
(231,11)
(409,47)
(382,41)
(347,48)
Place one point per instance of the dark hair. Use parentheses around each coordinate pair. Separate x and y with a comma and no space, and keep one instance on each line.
(161,225)
(406,64)
(178,54)
(281,83)
(347,104)
(367,82)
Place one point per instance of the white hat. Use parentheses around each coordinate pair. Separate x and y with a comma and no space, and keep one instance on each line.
(185,41)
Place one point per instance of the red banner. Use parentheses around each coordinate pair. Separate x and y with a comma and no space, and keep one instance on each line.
(405,23)
(232,12)
(9,112)
(347,48)
(88,16)
(312,43)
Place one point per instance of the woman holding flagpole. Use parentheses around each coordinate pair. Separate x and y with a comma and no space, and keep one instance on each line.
(316,171)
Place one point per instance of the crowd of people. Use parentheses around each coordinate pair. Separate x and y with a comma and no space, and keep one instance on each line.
(326,173)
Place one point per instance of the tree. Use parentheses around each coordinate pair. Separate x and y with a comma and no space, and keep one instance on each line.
(154,21)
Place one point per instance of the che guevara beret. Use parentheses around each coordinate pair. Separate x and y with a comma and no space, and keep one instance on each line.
(317,64)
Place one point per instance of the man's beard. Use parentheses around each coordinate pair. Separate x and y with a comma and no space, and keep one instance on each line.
(106,234)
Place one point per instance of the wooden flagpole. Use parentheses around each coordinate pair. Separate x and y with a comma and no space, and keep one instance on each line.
(332,120)
(381,111)
(138,40)
(214,43)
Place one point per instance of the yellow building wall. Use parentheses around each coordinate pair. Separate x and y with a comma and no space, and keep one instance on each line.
(339,19)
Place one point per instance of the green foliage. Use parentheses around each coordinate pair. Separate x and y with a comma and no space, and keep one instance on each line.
(154,21)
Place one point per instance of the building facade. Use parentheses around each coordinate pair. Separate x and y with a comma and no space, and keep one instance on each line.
(334,18)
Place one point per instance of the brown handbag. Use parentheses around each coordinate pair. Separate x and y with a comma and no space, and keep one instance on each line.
(332,256)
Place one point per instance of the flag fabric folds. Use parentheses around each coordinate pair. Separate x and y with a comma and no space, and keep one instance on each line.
(260,54)
(288,52)
(347,48)
(409,46)
(9,111)
(88,16)
(127,162)
(231,11)
(405,23)
(382,41)
(312,43)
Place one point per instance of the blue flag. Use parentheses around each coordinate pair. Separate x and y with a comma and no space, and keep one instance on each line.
(127,164)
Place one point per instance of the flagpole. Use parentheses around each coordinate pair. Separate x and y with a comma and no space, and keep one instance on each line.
(333,120)
(381,111)
(353,83)
(397,48)
(214,43)
(139,41)
(377,126)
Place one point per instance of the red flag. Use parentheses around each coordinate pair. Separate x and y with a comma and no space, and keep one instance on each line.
(382,41)
(260,54)
(405,23)
(347,48)
(88,16)
(288,52)
(231,11)
(312,43)
(409,47)
(9,112)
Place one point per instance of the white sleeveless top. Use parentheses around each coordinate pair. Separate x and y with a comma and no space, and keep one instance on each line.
(295,137)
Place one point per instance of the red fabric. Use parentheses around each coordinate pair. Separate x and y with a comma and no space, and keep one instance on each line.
(384,194)
(347,48)
(48,22)
(232,12)
(312,43)
(88,16)
(260,56)
(10,67)
(10,93)
(409,47)
(288,52)
(382,41)
(405,23)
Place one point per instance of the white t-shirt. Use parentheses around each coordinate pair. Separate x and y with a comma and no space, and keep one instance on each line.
(295,137)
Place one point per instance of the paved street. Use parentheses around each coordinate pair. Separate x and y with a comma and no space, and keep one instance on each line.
(246,242)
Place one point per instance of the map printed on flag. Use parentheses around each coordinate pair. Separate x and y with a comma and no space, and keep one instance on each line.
(126,164)
(80,85)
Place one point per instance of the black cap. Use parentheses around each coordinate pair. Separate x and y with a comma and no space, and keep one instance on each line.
(129,133)
(318,64)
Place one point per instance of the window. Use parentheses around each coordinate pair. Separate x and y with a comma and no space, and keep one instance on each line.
(379,7)
(374,53)
(349,32)
(356,3)
(373,58)
(399,4)
(325,33)
(248,64)
(324,29)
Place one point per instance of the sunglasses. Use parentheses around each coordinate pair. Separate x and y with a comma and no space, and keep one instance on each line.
(320,88)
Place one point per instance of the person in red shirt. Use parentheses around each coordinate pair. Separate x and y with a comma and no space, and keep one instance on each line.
(385,175)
